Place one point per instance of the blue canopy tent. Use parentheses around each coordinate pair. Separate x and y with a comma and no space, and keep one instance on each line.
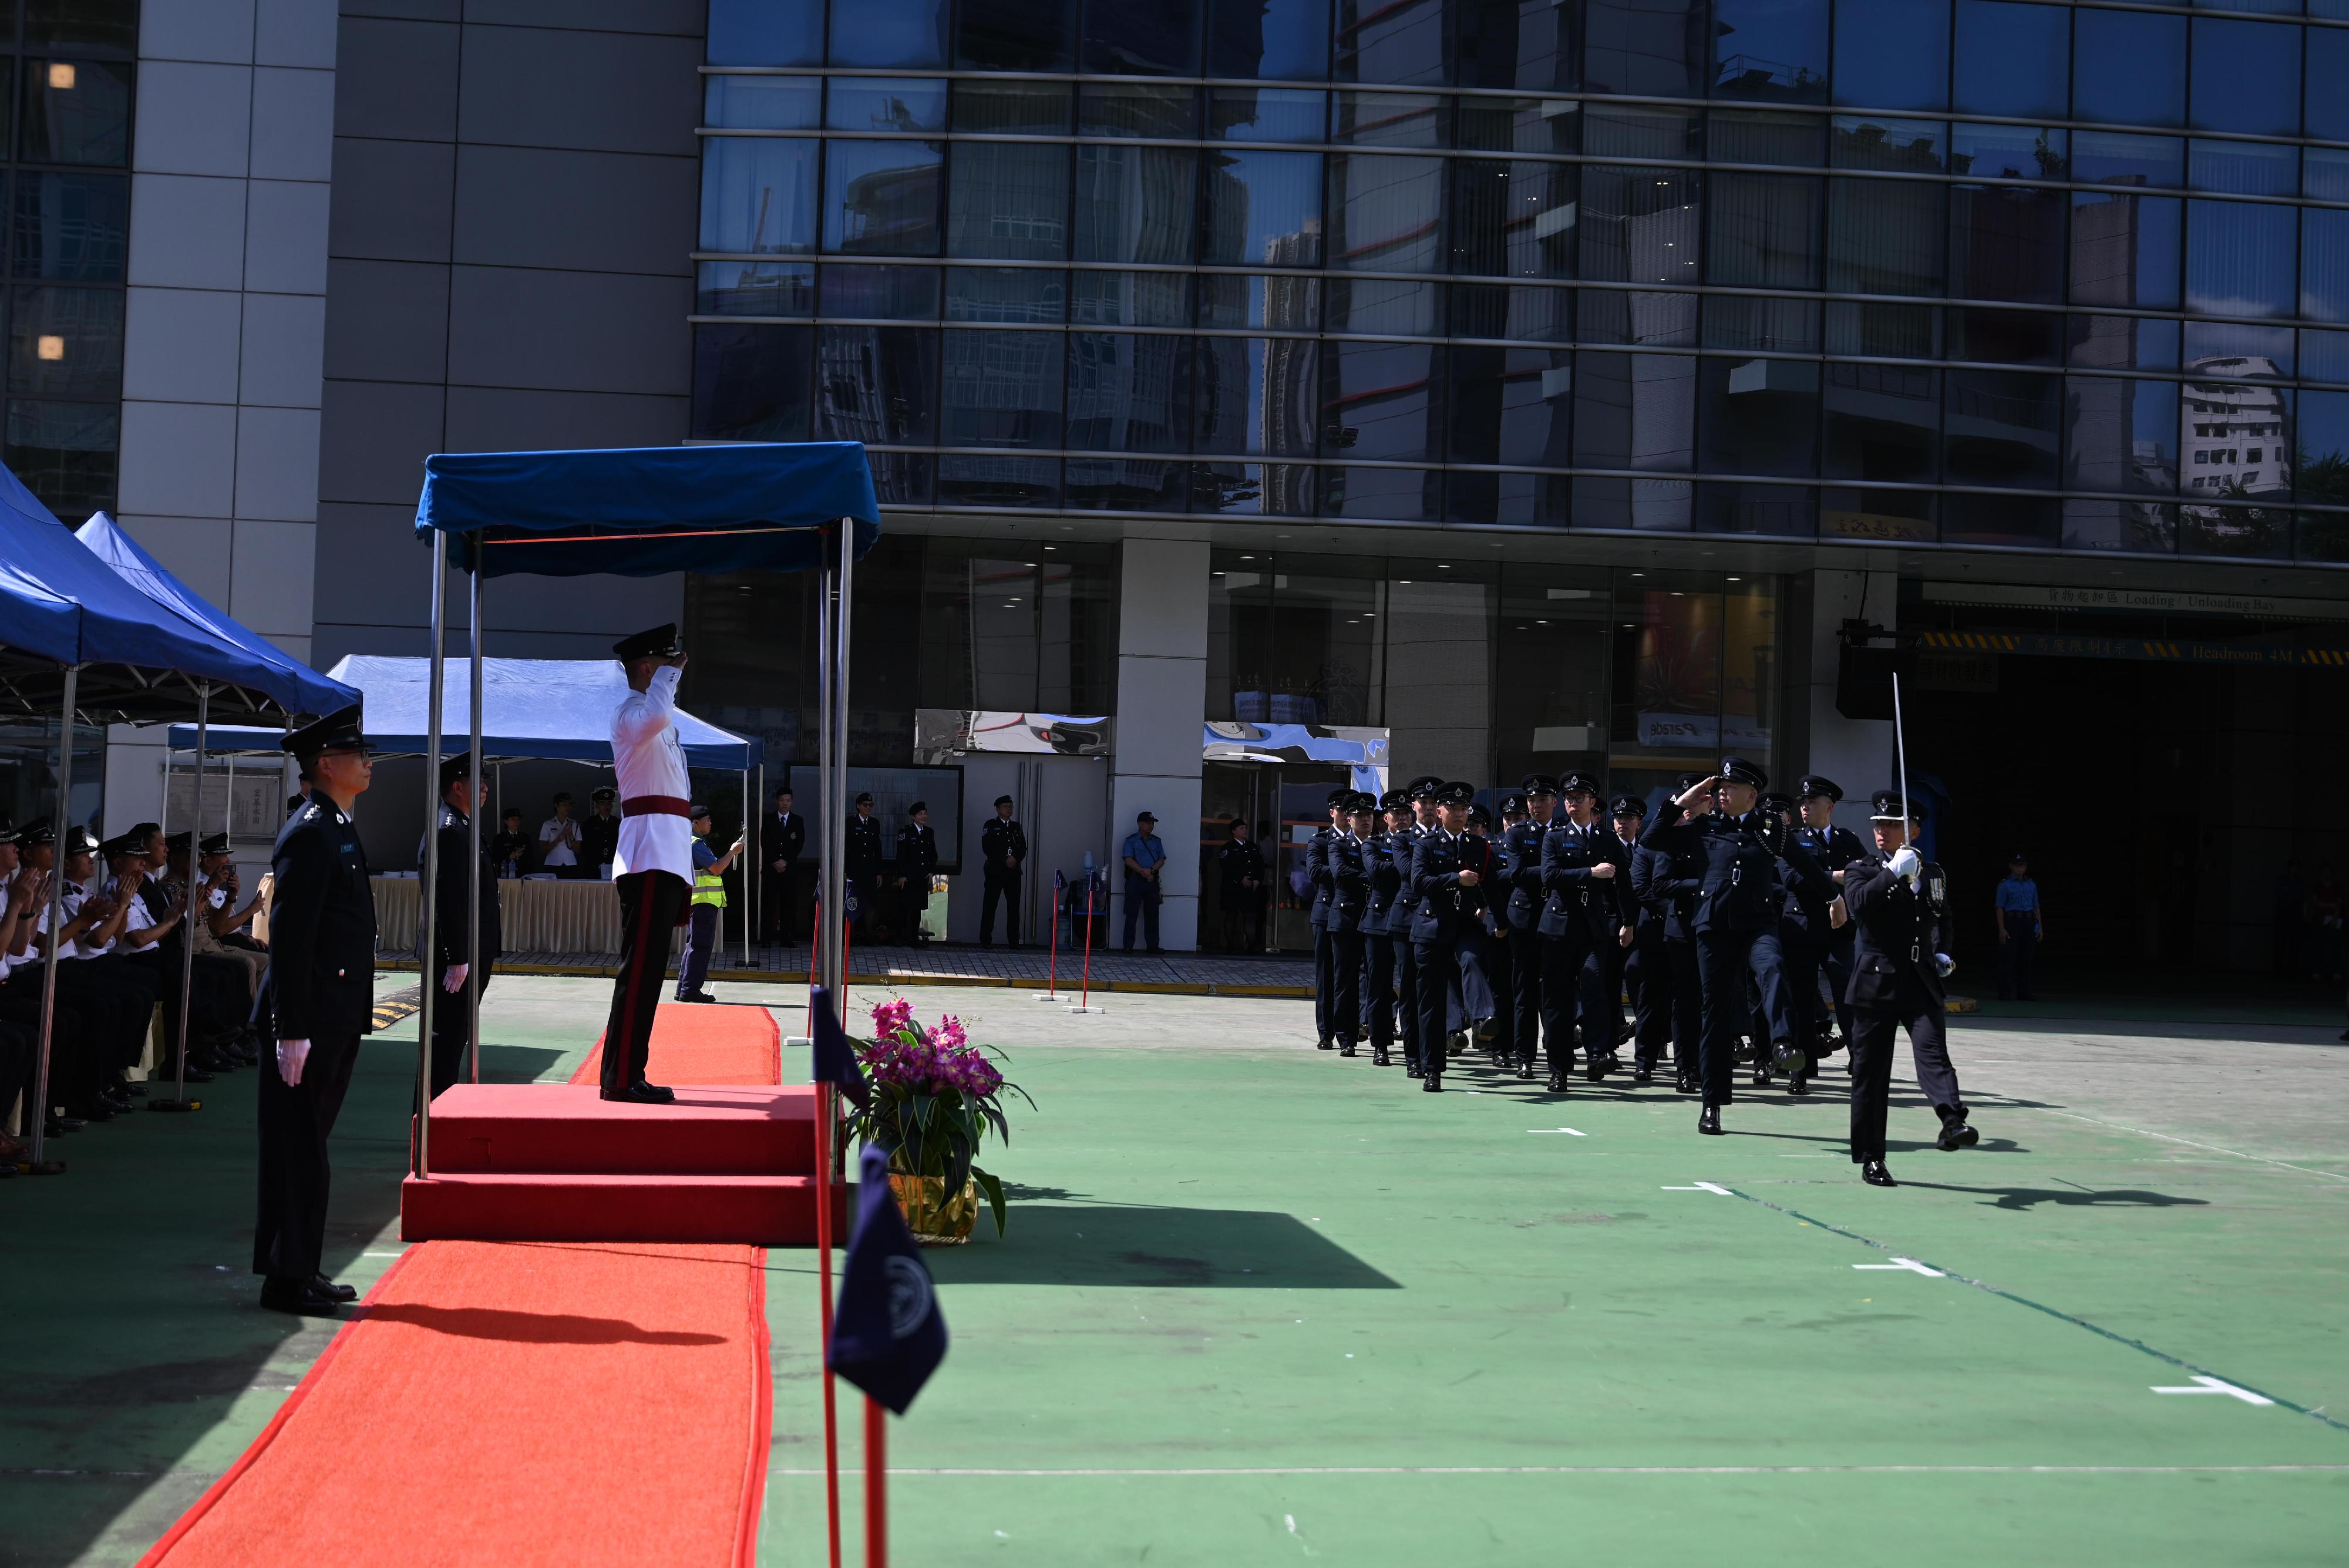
(642,511)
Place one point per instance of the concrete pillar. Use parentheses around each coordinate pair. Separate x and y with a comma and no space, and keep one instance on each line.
(1161,711)
(1855,753)
(1439,679)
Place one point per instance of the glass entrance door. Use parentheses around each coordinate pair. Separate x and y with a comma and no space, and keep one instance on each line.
(1286,803)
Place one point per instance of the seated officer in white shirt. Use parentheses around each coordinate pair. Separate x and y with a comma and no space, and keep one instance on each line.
(559,839)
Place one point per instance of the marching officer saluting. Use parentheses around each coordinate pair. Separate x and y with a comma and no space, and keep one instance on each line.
(319,997)
(1901,907)
(1450,903)
(1003,850)
(460,974)
(1325,951)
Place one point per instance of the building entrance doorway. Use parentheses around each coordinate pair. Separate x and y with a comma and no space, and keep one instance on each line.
(1284,804)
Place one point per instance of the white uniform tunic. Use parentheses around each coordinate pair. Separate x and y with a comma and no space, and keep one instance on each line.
(649,759)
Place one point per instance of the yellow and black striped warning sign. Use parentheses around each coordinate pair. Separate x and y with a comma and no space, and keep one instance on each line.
(391,1010)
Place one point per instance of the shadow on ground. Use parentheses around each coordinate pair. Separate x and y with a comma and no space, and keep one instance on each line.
(1201,1249)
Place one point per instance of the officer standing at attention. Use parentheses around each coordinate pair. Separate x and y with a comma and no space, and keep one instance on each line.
(653,868)
(1239,885)
(1532,1012)
(1900,906)
(2019,930)
(1386,905)
(1419,798)
(1325,951)
(917,862)
(1581,915)
(1450,901)
(461,984)
(320,993)
(1816,797)
(599,836)
(781,838)
(707,912)
(1348,868)
(862,858)
(1003,851)
(1647,971)
(1145,859)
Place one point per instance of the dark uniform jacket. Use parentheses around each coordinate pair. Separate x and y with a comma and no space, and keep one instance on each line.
(449,894)
(1316,872)
(1402,849)
(1899,930)
(864,852)
(1667,880)
(1738,886)
(1652,889)
(1385,879)
(1807,898)
(782,836)
(998,839)
(1446,911)
(917,859)
(1235,863)
(321,980)
(599,842)
(1576,898)
(1345,870)
(1522,848)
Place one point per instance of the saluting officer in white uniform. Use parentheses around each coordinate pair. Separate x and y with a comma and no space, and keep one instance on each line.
(653,867)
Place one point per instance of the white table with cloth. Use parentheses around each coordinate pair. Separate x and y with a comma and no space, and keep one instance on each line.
(533,917)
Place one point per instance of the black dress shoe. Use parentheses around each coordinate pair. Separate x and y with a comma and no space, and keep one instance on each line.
(1761,1077)
(1685,1084)
(1378,1057)
(1557,1084)
(299,1297)
(1325,1043)
(60,1126)
(1433,1084)
(641,1093)
(1800,1084)
(702,996)
(327,1287)
(1347,1049)
(1784,1057)
(1526,1071)
(1643,1075)
(1872,1172)
(1708,1121)
(197,1074)
(1956,1134)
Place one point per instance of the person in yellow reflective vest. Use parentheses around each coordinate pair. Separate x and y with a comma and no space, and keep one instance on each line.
(709,870)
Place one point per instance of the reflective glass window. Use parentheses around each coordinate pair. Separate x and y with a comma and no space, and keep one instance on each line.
(2246,168)
(2325,173)
(71,227)
(2240,258)
(878,385)
(1501,310)
(2003,427)
(1027,294)
(1512,406)
(1886,236)
(2142,527)
(65,343)
(2124,343)
(751,381)
(1786,511)
(2119,158)
(2120,435)
(1766,231)
(1520,125)
(1389,120)
(1014,35)
(2328,67)
(1892,54)
(1636,316)
(1904,146)
(1160,40)
(65,452)
(881,197)
(76,111)
(1775,50)
(2003,336)
(1635,411)
(880,292)
(1761,322)
(1130,391)
(1254,488)
(766,32)
(2322,445)
(1641,130)
(2012,59)
(1757,416)
(106,23)
(1131,298)
(1647,49)
(1527,43)
(2023,521)
(1268,114)
(2322,537)
(1760,136)
(1000,388)
(1851,513)
(2006,242)
(754,288)
(998,479)
(762,103)
(887,103)
(757,195)
(1397,41)
(1521,500)
(2246,76)
(1658,505)
(2247,351)
(1383,401)
(1127,484)
(2125,249)
(1392,494)
(1262,208)
(2254,533)
(2324,265)
(889,33)
(1883,331)
(1011,109)
(1010,201)
(1273,40)
(2128,67)
(1135,108)
(1386,212)
(1641,226)
(1514,220)
(2008,151)
(1256,397)
(1384,306)
(1280,301)
(1136,204)
(1880,423)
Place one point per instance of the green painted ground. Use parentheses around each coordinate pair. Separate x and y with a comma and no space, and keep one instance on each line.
(1259,1305)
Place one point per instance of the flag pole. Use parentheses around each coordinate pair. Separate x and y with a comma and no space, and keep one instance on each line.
(877,1484)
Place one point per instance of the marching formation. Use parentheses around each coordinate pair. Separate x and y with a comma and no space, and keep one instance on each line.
(1434,934)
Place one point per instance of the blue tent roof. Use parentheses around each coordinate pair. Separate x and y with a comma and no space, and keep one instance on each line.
(532,708)
(293,685)
(638,512)
(60,604)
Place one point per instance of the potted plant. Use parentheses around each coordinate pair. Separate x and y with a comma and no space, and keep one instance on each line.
(935,1095)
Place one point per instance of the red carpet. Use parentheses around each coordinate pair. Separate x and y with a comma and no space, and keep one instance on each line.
(572,1406)
(694,1043)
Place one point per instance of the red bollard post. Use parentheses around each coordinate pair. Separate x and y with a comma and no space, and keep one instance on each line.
(877,1484)
(1051,991)
(1085,994)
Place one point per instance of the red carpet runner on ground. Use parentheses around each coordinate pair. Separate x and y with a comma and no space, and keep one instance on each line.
(569,1404)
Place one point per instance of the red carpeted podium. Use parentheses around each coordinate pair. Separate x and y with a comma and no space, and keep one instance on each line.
(553,1162)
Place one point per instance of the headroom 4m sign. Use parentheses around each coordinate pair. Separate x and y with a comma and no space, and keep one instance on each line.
(1701,732)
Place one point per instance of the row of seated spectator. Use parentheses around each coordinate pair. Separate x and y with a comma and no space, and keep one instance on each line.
(566,846)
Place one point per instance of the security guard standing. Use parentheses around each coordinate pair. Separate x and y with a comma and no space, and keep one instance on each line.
(862,860)
(1532,1011)
(461,978)
(320,993)
(917,862)
(1239,888)
(1450,901)
(782,835)
(1387,907)
(706,910)
(1835,848)
(1900,907)
(1647,973)
(1003,852)
(1580,876)
(1346,867)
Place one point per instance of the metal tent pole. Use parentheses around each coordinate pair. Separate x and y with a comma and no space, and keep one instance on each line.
(820,969)
(744,865)
(835,783)
(427,926)
(757,886)
(188,916)
(473,841)
(40,1106)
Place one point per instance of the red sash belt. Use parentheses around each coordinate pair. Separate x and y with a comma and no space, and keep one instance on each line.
(654,806)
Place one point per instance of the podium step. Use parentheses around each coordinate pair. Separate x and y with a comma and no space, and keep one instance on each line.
(756,1210)
(566,1128)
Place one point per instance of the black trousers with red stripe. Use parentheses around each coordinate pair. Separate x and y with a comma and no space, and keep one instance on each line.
(650,903)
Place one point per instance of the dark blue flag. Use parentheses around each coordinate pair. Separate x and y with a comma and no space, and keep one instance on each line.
(835,1058)
(887,1335)
(1059,881)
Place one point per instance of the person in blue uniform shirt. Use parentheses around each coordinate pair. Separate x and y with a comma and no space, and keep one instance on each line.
(1816,796)
(1144,856)
(319,1000)
(706,911)
(1583,915)
(460,968)
(1346,867)
(1380,938)
(917,862)
(1324,949)
(2020,929)
(1647,971)
(1450,903)
(1003,855)
(1533,1012)
(1899,903)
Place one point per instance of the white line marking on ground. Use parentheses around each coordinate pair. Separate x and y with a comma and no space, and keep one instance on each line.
(1568,1131)
(2167,1138)
(1911,1265)
(1587,1470)
(2202,1385)
(1703,1187)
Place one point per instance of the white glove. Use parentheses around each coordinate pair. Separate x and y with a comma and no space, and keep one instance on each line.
(291,1054)
(454,980)
(1944,965)
(1906,863)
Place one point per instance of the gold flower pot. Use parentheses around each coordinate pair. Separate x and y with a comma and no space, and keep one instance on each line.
(935,1219)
